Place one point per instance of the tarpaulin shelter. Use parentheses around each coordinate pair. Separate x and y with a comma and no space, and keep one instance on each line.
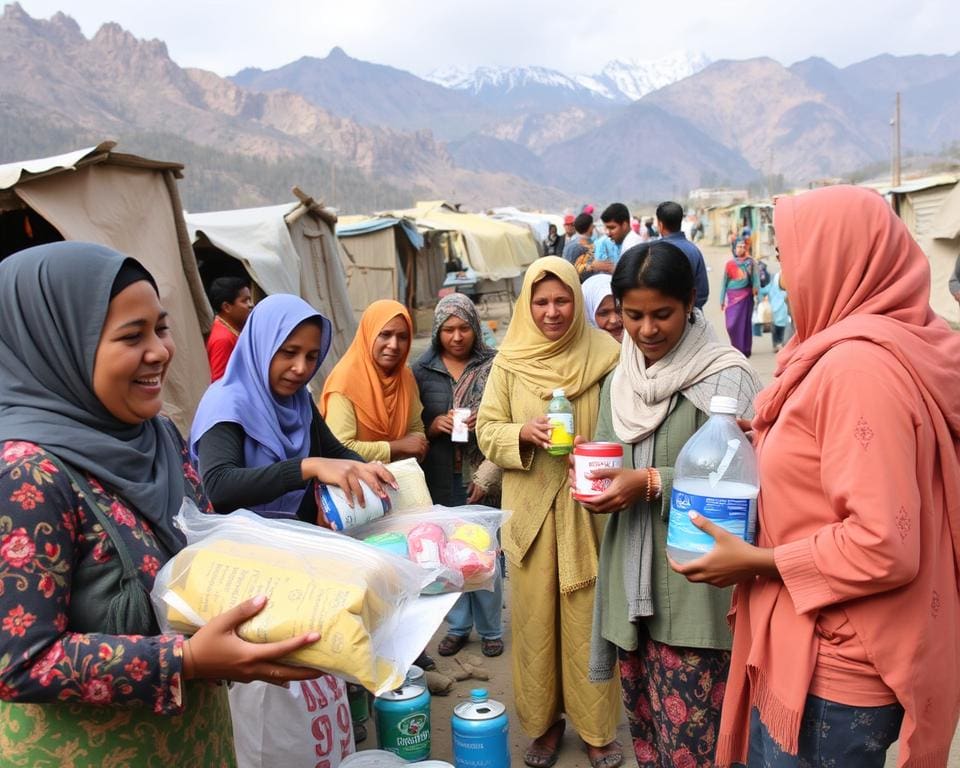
(131,204)
(390,257)
(930,207)
(288,248)
(495,250)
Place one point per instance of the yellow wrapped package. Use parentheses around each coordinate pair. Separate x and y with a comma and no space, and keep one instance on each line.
(314,581)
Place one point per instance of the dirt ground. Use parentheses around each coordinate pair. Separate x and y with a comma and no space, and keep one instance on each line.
(500,685)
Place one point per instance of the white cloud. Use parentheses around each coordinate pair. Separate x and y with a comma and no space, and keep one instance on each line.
(570,36)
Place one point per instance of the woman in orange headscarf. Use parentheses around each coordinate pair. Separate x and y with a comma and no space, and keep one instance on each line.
(370,400)
(847,613)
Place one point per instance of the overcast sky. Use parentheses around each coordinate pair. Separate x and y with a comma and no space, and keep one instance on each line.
(574,37)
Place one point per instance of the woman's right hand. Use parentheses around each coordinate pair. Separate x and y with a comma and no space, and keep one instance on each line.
(346,474)
(217,652)
(441,425)
(412,446)
(536,432)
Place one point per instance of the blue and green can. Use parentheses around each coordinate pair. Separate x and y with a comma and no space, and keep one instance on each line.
(403,722)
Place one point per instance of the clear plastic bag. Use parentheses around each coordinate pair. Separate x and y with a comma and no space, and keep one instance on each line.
(458,544)
(316,580)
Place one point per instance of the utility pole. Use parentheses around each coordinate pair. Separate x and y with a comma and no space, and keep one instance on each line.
(896,145)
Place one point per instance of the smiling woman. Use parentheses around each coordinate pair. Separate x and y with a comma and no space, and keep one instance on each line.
(91,476)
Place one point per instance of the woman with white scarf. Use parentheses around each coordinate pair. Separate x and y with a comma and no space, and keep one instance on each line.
(599,308)
(669,636)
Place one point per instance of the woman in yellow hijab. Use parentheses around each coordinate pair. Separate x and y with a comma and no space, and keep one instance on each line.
(551,541)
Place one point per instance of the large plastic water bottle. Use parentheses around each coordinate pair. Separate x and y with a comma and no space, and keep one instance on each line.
(560,416)
(716,476)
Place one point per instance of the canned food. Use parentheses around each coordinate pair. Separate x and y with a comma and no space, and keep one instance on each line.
(589,457)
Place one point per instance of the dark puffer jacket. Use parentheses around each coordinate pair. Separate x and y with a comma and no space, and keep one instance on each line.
(436,393)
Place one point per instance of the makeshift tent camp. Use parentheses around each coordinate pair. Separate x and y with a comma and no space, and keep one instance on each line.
(389,257)
(131,204)
(285,249)
(494,249)
(930,207)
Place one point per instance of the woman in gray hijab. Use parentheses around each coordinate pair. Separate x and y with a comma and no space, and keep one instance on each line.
(90,479)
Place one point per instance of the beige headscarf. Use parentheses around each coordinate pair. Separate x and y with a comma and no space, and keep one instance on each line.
(574,362)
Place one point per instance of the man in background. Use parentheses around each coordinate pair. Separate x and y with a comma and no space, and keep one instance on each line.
(582,242)
(669,218)
(232,301)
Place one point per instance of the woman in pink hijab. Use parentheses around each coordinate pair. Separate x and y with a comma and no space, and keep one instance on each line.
(846,615)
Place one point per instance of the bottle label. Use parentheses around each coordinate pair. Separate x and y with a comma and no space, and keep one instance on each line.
(734,515)
(561,434)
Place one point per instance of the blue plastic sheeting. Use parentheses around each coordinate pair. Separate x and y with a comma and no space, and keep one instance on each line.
(367,226)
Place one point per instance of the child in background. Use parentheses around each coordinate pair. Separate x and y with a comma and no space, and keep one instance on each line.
(777,296)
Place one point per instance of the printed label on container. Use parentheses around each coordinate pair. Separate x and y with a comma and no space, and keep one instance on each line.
(562,429)
(584,465)
(730,514)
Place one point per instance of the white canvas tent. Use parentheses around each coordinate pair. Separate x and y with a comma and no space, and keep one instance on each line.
(286,249)
(131,204)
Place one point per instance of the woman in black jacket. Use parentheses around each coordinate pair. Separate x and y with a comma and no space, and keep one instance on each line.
(451,375)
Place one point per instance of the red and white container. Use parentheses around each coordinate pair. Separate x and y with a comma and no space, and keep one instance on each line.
(589,457)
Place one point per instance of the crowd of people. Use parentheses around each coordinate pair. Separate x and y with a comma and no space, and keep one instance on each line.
(833,635)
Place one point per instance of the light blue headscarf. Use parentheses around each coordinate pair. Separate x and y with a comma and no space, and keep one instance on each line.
(277,428)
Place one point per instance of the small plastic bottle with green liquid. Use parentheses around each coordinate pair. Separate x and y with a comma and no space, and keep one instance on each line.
(560,416)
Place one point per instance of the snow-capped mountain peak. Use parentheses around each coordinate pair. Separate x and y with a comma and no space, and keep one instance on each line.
(634,78)
(619,80)
(504,79)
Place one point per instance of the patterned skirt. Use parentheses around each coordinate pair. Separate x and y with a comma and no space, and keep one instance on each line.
(673,698)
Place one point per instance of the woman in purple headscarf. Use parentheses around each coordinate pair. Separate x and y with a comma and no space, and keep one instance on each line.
(257,438)
(738,291)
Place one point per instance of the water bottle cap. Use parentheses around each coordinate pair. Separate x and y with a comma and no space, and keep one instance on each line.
(559,393)
(478,694)
(725,405)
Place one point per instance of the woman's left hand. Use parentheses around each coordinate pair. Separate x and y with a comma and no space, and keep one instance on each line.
(471,422)
(475,493)
(731,560)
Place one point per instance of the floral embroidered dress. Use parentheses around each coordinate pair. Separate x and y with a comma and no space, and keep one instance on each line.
(76,699)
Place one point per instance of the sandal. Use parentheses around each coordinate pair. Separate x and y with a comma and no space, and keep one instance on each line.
(491,646)
(540,756)
(451,644)
(425,662)
(611,759)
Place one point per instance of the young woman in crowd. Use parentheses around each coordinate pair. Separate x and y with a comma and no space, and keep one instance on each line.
(259,441)
(599,307)
(370,398)
(261,444)
(550,540)
(670,637)
(738,292)
(847,612)
(458,363)
(91,477)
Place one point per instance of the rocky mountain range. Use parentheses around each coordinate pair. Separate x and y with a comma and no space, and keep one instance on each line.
(531,136)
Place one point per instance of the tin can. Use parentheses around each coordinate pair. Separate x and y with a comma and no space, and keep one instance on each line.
(589,457)
(481,733)
(415,676)
(332,504)
(403,722)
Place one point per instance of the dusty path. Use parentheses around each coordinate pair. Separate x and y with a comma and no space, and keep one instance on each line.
(500,686)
